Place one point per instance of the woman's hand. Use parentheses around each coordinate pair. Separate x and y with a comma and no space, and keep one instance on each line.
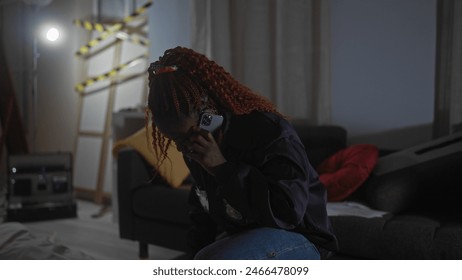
(203,148)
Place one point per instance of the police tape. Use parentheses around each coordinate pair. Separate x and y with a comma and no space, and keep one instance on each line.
(121,35)
(80,88)
(88,25)
(106,32)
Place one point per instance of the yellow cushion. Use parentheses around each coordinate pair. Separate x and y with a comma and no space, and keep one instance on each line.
(173,169)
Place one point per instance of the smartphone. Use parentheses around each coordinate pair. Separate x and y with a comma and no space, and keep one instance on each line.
(210,122)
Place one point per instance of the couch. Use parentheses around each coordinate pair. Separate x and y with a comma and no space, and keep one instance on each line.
(418,189)
(409,203)
(152,212)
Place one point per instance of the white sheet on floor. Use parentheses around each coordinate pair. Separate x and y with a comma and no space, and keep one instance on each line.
(18,243)
(349,208)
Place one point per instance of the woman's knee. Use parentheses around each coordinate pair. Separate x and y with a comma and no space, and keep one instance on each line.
(262,243)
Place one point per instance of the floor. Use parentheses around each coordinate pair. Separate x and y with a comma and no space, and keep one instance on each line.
(95,233)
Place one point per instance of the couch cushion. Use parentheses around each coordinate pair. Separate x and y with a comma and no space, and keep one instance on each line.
(346,170)
(173,170)
(407,236)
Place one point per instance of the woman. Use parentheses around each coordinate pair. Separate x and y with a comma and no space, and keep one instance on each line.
(255,195)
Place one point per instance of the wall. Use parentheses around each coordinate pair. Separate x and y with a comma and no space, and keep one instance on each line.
(57,102)
(169,25)
(57,74)
(382,64)
(383,61)
(58,69)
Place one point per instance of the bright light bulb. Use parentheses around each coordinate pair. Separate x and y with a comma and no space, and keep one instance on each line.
(52,34)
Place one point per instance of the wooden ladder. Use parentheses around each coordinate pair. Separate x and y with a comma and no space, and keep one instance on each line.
(106,68)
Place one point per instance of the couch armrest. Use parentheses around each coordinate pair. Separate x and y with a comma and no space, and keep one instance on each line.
(425,177)
(132,170)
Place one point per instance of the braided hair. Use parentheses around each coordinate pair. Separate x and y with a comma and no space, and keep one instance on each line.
(183,82)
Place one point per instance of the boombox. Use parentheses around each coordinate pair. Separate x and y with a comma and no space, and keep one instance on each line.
(40,187)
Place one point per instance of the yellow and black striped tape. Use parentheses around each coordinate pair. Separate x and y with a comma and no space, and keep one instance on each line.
(141,10)
(81,86)
(122,35)
(111,30)
(88,25)
(139,40)
(86,48)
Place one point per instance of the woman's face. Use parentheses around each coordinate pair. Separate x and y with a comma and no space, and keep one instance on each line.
(178,130)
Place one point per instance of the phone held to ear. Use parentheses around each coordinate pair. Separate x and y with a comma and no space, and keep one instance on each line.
(210,122)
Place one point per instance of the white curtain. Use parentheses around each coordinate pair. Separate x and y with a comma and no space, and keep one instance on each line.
(448,95)
(279,48)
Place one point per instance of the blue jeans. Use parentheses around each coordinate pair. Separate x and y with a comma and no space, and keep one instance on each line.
(260,244)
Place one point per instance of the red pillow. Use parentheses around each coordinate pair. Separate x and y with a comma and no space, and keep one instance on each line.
(346,170)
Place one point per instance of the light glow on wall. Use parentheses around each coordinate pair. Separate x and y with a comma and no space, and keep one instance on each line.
(52,34)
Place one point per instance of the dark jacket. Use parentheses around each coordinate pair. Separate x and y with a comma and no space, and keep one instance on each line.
(267,182)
